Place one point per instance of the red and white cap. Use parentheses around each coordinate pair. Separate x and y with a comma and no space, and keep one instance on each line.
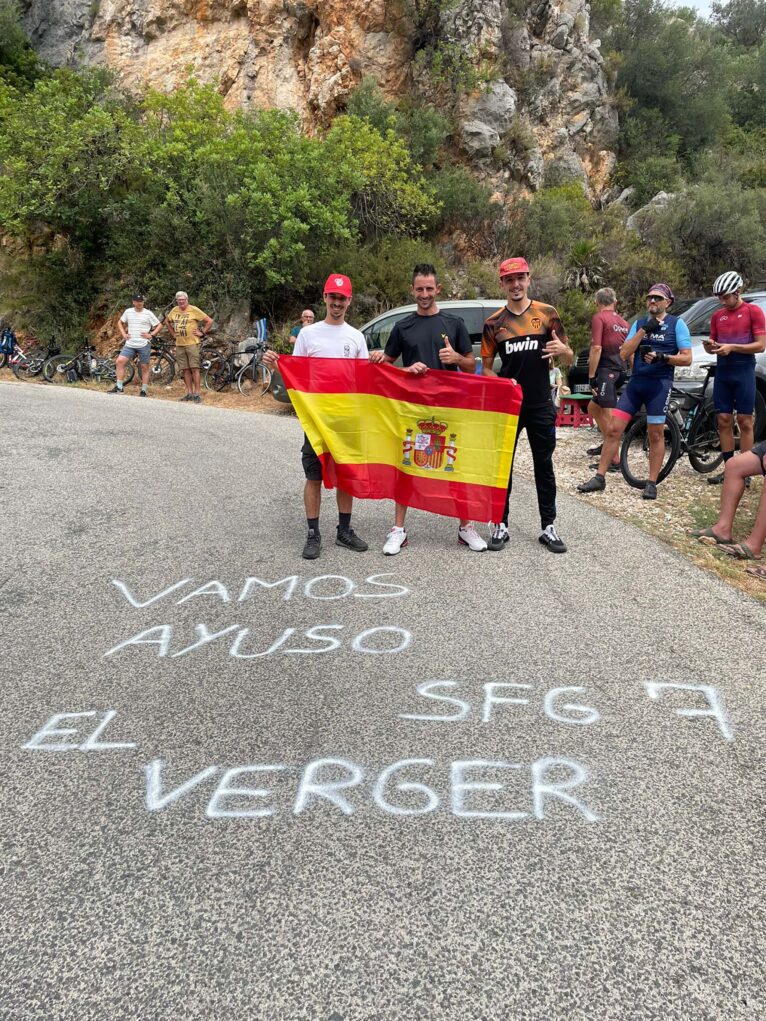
(516,265)
(337,284)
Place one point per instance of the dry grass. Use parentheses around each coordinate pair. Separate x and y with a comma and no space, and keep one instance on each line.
(685,500)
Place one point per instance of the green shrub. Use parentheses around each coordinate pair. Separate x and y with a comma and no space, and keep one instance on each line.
(652,175)
(576,310)
(465,202)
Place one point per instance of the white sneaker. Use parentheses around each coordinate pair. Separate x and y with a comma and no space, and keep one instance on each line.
(397,538)
(499,536)
(469,537)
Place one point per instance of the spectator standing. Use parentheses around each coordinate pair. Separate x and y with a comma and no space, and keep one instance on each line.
(606,369)
(331,338)
(528,335)
(737,335)
(428,339)
(307,318)
(187,325)
(137,326)
(663,341)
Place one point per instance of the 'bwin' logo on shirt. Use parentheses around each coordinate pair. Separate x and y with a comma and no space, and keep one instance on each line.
(511,347)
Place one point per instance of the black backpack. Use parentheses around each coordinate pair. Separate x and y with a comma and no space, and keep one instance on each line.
(7,341)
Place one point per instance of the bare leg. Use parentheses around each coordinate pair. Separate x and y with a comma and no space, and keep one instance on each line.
(195,381)
(746,439)
(615,427)
(400,513)
(735,473)
(312,498)
(188,381)
(656,449)
(120,368)
(757,537)
(345,501)
(726,432)
(145,374)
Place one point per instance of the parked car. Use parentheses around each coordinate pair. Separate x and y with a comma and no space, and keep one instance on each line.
(378,330)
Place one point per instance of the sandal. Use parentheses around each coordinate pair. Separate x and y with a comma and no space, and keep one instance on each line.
(757,572)
(708,537)
(739,551)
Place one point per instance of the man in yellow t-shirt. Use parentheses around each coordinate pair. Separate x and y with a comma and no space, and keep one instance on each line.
(187,325)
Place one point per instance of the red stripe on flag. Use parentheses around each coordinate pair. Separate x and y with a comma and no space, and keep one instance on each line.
(436,388)
(439,496)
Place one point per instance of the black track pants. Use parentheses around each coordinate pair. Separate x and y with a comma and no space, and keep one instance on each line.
(540,424)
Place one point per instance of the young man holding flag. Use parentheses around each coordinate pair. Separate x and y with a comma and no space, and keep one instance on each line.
(333,337)
(428,339)
(528,335)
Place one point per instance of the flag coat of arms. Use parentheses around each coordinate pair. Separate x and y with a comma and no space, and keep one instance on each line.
(442,442)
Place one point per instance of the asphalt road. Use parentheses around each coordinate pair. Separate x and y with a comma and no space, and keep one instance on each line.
(594,853)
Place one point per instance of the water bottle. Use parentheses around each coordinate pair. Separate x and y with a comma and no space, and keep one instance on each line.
(93,363)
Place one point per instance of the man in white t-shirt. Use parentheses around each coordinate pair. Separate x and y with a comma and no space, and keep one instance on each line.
(137,326)
(330,338)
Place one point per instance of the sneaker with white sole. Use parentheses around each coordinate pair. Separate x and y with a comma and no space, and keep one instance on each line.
(499,536)
(396,540)
(551,539)
(468,536)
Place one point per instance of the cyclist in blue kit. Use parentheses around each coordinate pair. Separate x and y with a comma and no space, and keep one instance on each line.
(663,341)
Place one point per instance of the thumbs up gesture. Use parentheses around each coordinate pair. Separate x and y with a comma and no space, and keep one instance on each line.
(447,354)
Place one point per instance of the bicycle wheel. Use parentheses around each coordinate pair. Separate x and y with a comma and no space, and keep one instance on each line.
(57,368)
(634,455)
(218,376)
(254,379)
(26,368)
(162,369)
(704,444)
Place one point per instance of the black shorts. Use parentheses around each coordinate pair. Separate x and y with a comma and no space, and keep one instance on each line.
(312,466)
(760,452)
(608,382)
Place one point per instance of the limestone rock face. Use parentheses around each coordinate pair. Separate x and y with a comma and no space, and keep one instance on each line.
(548,82)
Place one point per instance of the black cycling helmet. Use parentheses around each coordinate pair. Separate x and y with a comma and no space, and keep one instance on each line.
(728,283)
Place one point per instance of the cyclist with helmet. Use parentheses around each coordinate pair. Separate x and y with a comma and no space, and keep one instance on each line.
(737,335)
(663,341)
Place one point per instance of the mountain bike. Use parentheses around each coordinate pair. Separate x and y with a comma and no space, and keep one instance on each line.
(29,363)
(253,379)
(694,433)
(84,364)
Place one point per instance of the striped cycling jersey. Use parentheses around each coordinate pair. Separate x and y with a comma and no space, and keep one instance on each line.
(519,339)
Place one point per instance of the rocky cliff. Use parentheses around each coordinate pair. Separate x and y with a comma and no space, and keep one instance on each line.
(546,114)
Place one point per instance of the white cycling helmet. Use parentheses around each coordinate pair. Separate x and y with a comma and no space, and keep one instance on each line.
(728,283)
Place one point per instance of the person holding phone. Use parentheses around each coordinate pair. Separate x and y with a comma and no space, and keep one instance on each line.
(737,335)
(663,341)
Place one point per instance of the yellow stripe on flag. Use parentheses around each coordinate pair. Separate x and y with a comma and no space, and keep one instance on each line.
(363,428)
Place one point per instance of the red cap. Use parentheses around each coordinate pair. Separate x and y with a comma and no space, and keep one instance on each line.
(337,284)
(513,266)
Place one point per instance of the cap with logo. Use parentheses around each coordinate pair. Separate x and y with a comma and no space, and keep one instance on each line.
(663,290)
(137,297)
(509,266)
(338,284)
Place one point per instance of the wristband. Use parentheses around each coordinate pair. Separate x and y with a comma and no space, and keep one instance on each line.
(593,382)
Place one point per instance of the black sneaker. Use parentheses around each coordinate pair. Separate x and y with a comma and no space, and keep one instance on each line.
(614,466)
(594,485)
(116,390)
(595,451)
(350,540)
(499,537)
(650,491)
(715,480)
(142,393)
(313,545)
(195,398)
(551,539)
(186,397)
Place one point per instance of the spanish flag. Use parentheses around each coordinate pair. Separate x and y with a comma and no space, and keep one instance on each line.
(442,442)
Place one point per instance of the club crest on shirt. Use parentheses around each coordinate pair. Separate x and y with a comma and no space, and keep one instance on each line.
(428,447)
(536,323)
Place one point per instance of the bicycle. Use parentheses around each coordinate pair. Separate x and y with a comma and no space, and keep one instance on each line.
(695,434)
(163,365)
(253,379)
(26,364)
(84,364)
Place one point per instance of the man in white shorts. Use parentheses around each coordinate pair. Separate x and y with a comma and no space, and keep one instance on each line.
(333,337)
(137,326)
